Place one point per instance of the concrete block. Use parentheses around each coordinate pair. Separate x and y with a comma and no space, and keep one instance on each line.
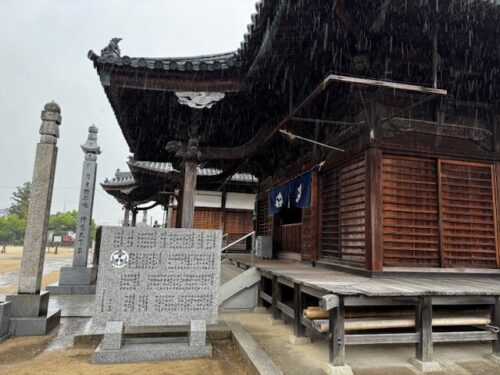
(78,276)
(29,305)
(5,308)
(197,333)
(71,289)
(141,350)
(294,340)
(113,336)
(34,326)
(252,352)
(238,284)
(330,369)
(424,367)
(246,299)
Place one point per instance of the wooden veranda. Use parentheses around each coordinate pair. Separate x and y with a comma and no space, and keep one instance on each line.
(288,287)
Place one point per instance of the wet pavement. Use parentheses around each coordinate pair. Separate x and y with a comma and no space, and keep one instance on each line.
(51,265)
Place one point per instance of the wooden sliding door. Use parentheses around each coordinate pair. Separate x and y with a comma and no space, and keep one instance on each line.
(439,213)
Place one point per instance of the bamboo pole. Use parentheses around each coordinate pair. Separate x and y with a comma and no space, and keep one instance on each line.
(322,325)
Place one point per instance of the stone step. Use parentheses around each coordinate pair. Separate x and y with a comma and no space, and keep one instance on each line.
(34,326)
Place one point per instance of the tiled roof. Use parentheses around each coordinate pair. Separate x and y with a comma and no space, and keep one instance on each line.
(120,179)
(198,63)
(126,178)
(215,62)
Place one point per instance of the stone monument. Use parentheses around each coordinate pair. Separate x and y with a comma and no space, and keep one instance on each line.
(156,277)
(80,279)
(29,307)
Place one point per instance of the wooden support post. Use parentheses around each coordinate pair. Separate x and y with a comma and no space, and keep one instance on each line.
(134,217)
(188,191)
(298,306)
(495,321)
(315,219)
(223,213)
(336,337)
(260,288)
(170,211)
(423,323)
(374,221)
(276,297)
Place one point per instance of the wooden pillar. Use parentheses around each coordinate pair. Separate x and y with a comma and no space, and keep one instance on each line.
(134,217)
(188,191)
(336,338)
(298,307)
(315,218)
(495,321)
(260,288)
(223,212)
(170,211)
(374,221)
(496,200)
(423,323)
(276,297)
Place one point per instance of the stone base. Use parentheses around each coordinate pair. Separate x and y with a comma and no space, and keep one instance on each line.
(34,326)
(29,305)
(4,319)
(276,322)
(493,357)
(5,337)
(260,310)
(294,340)
(71,289)
(431,366)
(141,350)
(330,369)
(78,276)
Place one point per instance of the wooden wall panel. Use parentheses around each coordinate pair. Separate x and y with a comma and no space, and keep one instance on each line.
(207,219)
(308,233)
(238,224)
(330,221)
(352,212)
(264,221)
(410,210)
(468,214)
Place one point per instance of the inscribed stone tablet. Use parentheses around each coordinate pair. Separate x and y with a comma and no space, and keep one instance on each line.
(156,276)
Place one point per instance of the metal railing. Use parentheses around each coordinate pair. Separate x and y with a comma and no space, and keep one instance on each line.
(225,248)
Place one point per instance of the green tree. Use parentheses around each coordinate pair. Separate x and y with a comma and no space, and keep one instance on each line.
(63,222)
(21,198)
(12,228)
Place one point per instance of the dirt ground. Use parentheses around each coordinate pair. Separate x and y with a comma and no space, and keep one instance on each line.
(31,355)
(11,261)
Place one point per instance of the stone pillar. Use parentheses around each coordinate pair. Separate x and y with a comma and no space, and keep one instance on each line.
(29,306)
(126,217)
(80,279)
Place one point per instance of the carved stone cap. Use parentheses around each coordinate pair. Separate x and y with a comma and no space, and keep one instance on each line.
(91,146)
(51,119)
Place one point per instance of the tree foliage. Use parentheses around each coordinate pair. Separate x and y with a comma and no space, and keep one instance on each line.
(13,226)
(21,199)
(63,222)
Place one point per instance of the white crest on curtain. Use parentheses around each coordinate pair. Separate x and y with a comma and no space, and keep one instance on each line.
(199,100)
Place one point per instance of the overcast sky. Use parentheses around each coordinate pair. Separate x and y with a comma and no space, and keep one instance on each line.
(43,57)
